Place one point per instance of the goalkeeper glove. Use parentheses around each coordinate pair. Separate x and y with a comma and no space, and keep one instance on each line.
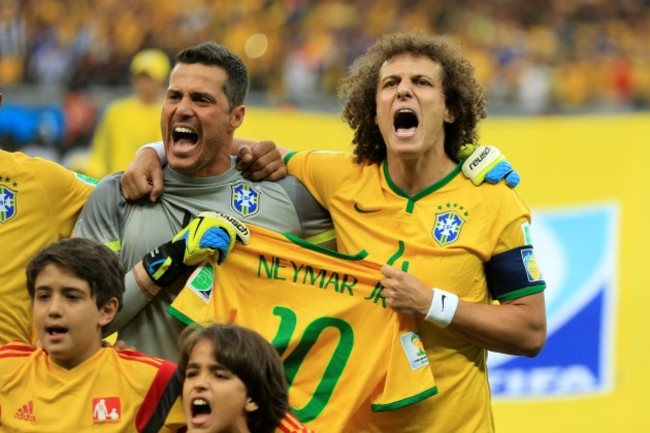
(207,234)
(487,163)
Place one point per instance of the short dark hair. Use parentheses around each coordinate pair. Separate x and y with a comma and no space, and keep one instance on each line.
(212,54)
(88,260)
(253,360)
(464,96)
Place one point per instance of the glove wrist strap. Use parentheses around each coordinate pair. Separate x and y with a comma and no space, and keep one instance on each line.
(165,263)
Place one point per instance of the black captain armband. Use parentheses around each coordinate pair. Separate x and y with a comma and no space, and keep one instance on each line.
(514,274)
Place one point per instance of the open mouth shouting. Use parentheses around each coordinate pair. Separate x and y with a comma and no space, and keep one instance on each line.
(184,136)
(200,410)
(405,122)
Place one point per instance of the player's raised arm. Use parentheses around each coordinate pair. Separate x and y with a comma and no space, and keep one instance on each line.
(257,160)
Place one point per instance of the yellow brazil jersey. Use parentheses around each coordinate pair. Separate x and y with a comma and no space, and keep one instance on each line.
(444,235)
(39,204)
(110,392)
(346,355)
(126,125)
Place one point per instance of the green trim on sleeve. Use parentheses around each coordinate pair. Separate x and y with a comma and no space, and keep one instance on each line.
(86,179)
(520,293)
(115,246)
(405,402)
(289,155)
(179,316)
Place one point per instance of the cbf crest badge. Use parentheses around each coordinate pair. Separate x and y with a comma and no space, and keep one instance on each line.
(7,204)
(245,200)
(446,227)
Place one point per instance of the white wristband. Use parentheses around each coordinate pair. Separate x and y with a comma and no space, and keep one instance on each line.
(442,309)
(159,148)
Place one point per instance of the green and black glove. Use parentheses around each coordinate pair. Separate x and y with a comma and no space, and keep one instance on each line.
(210,233)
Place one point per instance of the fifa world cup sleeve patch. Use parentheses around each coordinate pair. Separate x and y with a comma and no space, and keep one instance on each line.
(409,378)
(514,274)
(414,350)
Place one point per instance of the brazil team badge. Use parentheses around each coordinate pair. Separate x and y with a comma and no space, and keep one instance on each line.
(245,200)
(7,204)
(446,227)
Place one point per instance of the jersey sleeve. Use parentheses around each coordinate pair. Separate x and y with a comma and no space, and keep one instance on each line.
(102,220)
(512,271)
(322,172)
(291,424)
(409,378)
(162,405)
(315,221)
(11,355)
(192,304)
(507,217)
(65,192)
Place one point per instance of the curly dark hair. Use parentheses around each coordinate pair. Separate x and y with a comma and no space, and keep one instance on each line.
(464,95)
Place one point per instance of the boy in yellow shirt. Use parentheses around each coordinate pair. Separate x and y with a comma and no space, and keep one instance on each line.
(74,382)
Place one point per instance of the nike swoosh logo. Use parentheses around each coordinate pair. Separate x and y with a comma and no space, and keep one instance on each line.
(358,209)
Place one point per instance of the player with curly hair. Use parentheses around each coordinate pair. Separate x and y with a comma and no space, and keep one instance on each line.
(451,249)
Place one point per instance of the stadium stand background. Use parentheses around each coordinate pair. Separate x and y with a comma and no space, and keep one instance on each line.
(569,94)
(534,56)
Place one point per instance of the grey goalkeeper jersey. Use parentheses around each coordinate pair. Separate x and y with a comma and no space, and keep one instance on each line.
(133,229)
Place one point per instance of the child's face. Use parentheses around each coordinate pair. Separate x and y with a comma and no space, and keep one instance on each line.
(215,400)
(66,316)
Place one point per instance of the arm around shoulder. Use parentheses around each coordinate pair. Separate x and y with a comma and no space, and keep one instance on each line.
(260,160)
(144,176)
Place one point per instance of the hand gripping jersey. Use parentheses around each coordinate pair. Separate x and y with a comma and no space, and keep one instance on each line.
(133,229)
(110,392)
(39,203)
(345,353)
(468,240)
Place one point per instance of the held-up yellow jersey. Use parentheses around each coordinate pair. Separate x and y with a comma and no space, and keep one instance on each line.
(346,355)
(39,204)
(451,235)
(110,392)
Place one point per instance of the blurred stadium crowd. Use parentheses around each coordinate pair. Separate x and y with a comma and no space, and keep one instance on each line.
(534,56)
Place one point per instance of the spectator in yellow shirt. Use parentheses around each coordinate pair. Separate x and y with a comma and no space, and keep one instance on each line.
(129,122)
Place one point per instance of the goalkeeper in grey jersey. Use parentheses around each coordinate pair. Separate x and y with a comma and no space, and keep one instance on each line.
(159,242)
